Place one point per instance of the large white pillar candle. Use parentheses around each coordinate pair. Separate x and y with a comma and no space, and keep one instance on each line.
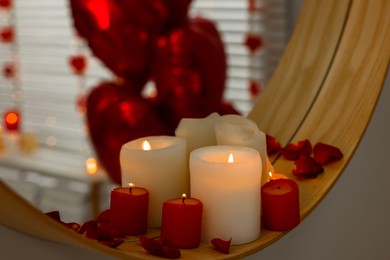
(198,132)
(158,164)
(227,181)
(238,130)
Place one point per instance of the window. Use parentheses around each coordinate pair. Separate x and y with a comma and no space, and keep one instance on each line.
(45,42)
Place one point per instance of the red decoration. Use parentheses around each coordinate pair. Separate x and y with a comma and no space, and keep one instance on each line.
(273,145)
(280,204)
(254,88)
(7,34)
(294,150)
(307,167)
(325,153)
(78,64)
(181,222)
(12,120)
(222,246)
(129,210)
(155,247)
(9,70)
(143,40)
(115,116)
(253,42)
(6,4)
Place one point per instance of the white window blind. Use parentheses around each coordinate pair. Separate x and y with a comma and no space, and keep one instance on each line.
(45,41)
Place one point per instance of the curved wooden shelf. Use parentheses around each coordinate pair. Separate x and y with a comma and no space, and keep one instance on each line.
(324,89)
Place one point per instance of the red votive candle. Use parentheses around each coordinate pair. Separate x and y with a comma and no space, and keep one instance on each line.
(129,210)
(182,222)
(280,204)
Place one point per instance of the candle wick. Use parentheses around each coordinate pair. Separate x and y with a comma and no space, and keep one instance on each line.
(131,189)
(279,188)
(183,199)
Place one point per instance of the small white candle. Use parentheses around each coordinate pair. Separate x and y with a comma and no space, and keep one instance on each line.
(229,190)
(158,165)
(238,130)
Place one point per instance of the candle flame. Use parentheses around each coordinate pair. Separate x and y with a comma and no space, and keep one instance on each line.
(91,166)
(146,146)
(183,197)
(131,185)
(270,174)
(231,159)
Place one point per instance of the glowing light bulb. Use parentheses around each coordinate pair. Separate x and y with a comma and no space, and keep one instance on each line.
(91,166)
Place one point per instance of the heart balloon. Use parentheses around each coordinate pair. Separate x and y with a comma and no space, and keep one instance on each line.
(116,115)
(190,71)
(142,40)
(120,33)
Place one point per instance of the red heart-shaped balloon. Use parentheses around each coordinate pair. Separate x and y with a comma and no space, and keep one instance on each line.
(115,116)
(120,33)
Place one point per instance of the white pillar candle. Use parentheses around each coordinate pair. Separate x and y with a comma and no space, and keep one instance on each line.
(229,191)
(198,132)
(161,169)
(238,130)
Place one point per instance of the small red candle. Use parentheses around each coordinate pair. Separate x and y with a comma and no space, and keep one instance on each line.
(280,204)
(129,209)
(182,222)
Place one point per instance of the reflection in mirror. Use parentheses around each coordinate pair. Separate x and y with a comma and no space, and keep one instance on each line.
(52,175)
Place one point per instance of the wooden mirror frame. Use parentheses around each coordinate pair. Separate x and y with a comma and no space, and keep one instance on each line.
(325,89)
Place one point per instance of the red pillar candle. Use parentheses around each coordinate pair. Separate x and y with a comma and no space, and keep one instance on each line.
(280,204)
(182,222)
(129,210)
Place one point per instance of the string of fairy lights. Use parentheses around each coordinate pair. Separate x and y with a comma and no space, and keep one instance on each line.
(11,67)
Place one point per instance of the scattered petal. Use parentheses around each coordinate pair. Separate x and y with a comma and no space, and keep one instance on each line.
(104,216)
(307,167)
(112,243)
(154,247)
(273,145)
(72,225)
(294,150)
(54,215)
(221,245)
(325,153)
(90,228)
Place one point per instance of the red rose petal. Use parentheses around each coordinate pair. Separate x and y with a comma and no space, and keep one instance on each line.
(273,145)
(154,247)
(294,150)
(90,228)
(112,243)
(221,245)
(72,225)
(104,216)
(54,215)
(325,153)
(307,167)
